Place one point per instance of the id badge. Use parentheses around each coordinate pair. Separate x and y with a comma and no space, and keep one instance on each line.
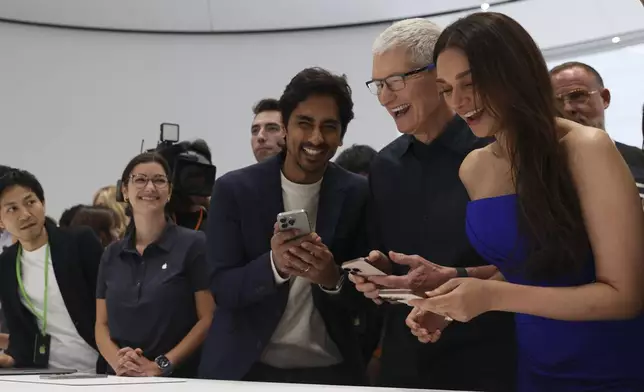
(41,350)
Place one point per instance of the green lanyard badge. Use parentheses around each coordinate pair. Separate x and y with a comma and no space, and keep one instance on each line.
(42,317)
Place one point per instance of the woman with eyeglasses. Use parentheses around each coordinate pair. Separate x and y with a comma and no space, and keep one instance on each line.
(154,305)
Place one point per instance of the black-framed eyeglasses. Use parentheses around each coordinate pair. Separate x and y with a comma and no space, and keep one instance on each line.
(140,181)
(395,82)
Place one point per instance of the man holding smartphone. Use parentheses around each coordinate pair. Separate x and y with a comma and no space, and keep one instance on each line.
(417,207)
(284,310)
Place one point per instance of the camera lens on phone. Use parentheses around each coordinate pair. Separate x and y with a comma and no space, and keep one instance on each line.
(282,220)
(284,226)
(291,222)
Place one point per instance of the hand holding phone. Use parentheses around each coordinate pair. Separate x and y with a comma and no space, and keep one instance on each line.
(294,220)
(291,229)
(362,267)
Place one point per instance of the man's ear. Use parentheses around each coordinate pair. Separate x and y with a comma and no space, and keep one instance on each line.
(605,94)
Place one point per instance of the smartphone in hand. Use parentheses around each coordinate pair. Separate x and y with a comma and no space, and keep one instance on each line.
(294,220)
(399,295)
(362,267)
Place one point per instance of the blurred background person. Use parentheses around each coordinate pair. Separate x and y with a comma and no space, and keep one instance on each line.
(153,304)
(47,283)
(580,91)
(106,197)
(267,131)
(357,159)
(68,215)
(100,219)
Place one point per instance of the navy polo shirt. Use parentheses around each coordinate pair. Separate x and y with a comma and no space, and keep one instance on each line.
(150,297)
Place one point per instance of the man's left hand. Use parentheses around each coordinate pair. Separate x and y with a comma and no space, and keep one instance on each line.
(321,268)
(423,275)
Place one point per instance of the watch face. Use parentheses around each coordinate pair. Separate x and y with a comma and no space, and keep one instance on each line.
(162,362)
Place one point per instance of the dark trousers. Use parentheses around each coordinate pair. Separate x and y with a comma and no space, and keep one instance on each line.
(332,375)
(474,369)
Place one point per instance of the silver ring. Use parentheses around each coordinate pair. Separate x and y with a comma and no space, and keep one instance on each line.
(448,319)
(307,269)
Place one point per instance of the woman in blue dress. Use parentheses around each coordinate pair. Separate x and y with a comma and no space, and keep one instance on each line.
(554,207)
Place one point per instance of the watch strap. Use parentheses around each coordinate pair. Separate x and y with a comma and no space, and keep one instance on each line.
(461,272)
(164,364)
(338,285)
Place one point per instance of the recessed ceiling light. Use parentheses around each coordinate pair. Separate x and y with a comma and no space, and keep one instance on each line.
(485,6)
(616,40)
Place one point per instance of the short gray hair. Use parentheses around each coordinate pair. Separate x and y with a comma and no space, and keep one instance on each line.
(418,35)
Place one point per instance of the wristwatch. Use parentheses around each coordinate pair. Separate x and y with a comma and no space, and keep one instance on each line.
(461,272)
(164,365)
(338,285)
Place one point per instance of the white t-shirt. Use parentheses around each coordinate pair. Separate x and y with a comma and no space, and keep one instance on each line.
(300,339)
(68,350)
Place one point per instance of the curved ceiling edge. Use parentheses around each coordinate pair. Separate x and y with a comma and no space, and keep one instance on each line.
(214,31)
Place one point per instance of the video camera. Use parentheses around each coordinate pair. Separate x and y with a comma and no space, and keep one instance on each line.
(192,172)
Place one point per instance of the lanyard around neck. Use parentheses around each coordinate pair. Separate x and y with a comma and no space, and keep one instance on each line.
(42,317)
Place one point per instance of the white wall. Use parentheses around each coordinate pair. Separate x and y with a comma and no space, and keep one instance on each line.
(76,104)
(623,74)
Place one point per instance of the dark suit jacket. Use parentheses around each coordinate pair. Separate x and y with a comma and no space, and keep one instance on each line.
(75,256)
(243,210)
(634,158)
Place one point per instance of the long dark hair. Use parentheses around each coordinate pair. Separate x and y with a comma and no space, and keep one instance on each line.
(511,80)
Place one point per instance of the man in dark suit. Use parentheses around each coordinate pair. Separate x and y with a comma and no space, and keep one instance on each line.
(284,308)
(47,282)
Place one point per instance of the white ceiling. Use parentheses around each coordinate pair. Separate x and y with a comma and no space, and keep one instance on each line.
(224,15)
(560,27)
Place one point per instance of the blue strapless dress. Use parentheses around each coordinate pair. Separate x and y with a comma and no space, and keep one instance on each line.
(557,355)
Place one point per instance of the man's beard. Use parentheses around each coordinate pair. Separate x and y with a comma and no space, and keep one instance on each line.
(583,120)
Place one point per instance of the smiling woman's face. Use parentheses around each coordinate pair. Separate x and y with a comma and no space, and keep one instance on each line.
(147,189)
(454,81)
(22,214)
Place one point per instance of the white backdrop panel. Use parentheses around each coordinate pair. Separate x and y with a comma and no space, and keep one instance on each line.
(76,104)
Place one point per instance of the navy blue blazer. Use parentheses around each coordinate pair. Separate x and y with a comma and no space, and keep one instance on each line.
(243,210)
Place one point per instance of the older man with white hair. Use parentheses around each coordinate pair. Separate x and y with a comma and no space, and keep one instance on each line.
(418,208)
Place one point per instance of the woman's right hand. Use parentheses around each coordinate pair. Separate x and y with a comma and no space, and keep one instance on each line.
(6,361)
